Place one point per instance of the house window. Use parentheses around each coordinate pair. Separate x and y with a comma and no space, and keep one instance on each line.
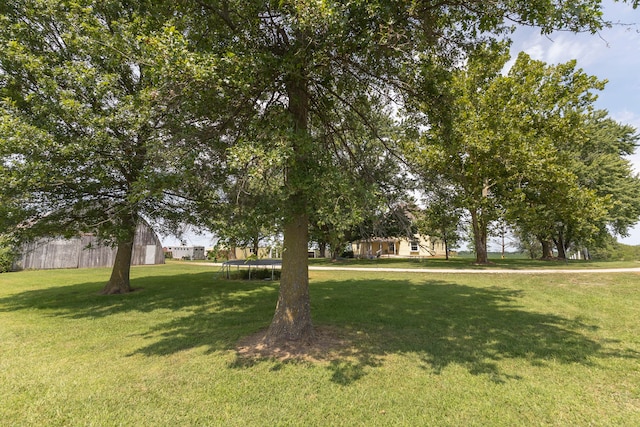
(414,246)
(392,248)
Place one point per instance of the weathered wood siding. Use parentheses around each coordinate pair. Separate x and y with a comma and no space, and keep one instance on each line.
(57,253)
(85,251)
(146,247)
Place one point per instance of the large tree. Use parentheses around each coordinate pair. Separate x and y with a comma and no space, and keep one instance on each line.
(467,155)
(326,65)
(602,165)
(318,79)
(584,191)
(83,139)
(512,146)
(574,185)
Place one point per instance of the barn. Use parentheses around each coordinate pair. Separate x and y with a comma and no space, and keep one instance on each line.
(85,251)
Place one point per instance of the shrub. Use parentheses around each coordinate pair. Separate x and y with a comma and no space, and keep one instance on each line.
(7,257)
(347,254)
(616,252)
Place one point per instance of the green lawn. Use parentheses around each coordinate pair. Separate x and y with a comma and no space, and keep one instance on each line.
(467,262)
(428,349)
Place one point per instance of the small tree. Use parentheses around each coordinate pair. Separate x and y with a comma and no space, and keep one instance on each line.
(441,218)
(7,255)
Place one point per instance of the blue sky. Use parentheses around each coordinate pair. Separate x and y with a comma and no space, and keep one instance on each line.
(613,54)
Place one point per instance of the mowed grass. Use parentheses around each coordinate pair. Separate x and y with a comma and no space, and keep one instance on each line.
(426,349)
(511,262)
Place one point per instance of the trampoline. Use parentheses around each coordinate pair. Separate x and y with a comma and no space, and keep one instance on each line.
(273,263)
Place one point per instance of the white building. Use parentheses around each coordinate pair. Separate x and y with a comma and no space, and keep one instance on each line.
(186,252)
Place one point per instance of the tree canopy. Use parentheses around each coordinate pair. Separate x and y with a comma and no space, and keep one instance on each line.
(84,144)
(514,149)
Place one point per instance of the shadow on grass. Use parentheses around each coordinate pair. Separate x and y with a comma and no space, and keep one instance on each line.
(441,323)
(179,312)
(445,323)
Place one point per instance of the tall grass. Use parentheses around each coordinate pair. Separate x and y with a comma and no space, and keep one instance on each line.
(426,349)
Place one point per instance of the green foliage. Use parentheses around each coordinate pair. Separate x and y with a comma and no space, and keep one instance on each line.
(83,147)
(7,257)
(601,163)
(528,243)
(316,83)
(441,219)
(560,195)
(95,81)
(528,148)
(466,157)
(546,196)
(615,251)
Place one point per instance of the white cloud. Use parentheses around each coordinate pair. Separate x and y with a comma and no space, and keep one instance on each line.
(610,51)
(562,48)
(627,117)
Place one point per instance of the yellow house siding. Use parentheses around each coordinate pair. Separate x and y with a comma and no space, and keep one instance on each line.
(421,246)
(244,253)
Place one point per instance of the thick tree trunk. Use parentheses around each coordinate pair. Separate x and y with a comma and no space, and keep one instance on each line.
(479,224)
(119,282)
(547,252)
(323,249)
(479,238)
(292,319)
(562,253)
